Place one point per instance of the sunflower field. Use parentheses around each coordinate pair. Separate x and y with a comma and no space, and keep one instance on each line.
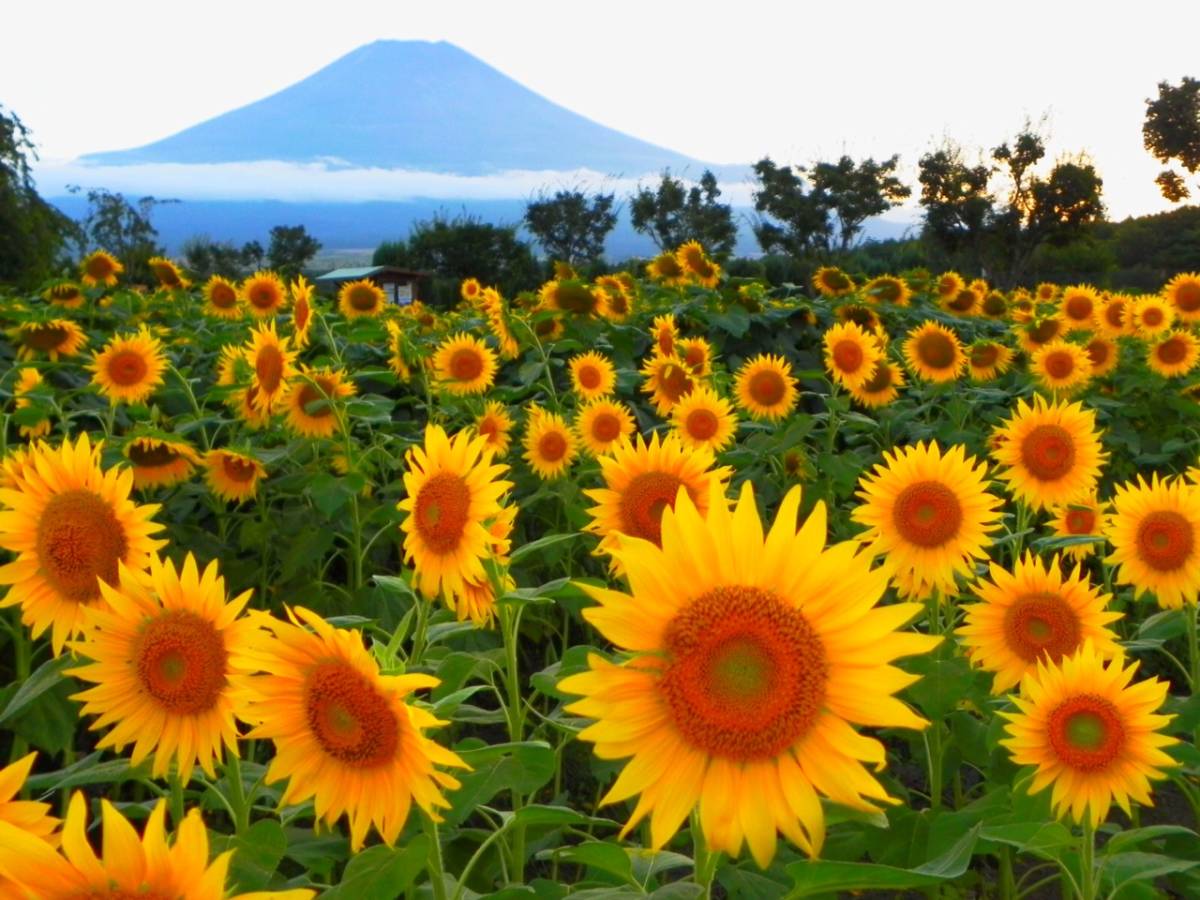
(665,584)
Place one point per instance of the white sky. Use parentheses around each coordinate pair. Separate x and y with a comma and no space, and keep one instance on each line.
(727,83)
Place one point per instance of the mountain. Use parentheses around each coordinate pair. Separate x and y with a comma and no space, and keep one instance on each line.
(416,105)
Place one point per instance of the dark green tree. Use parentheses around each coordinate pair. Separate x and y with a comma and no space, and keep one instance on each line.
(253,255)
(33,233)
(570,225)
(205,257)
(957,203)
(854,192)
(290,249)
(1171,132)
(673,214)
(791,219)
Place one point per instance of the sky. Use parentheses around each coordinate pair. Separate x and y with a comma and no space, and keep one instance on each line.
(727,83)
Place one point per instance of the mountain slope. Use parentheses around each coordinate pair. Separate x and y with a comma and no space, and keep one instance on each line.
(412,105)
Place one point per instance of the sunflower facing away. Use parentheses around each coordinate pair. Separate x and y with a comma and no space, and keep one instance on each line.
(751,664)
(129,367)
(167,273)
(695,262)
(888,289)
(159,460)
(851,354)
(666,270)
(704,420)
(464,365)
(1183,293)
(28,380)
(664,332)
(830,281)
(570,295)
(66,294)
(1155,534)
(1040,331)
(934,353)
(1175,353)
(550,447)
(311,398)
(1082,517)
(264,294)
(144,868)
(70,524)
(1061,366)
(1092,733)
(50,339)
(1034,613)
(232,476)
(668,380)
(344,734)
(1049,453)
(602,424)
(100,269)
(929,513)
(592,375)
(358,299)
(495,425)
(158,654)
(765,388)
(302,311)
(221,298)
(882,387)
(453,490)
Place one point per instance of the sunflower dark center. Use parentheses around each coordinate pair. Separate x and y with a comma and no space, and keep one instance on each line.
(767,388)
(1086,732)
(1042,625)
(1187,296)
(1081,521)
(936,350)
(222,296)
(1172,351)
(643,502)
(1165,540)
(351,720)
(702,424)
(238,469)
(1079,308)
(1059,364)
(606,427)
(79,540)
(180,660)
(442,512)
(150,457)
(363,298)
(552,446)
(46,337)
(466,364)
(1048,452)
(848,356)
(268,366)
(927,513)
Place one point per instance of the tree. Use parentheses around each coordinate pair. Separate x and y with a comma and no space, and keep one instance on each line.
(673,214)
(34,232)
(123,229)
(854,192)
(206,257)
(1171,132)
(790,219)
(571,226)
(957,202)
(290,249)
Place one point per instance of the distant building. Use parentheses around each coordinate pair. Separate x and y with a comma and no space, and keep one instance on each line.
(400,284)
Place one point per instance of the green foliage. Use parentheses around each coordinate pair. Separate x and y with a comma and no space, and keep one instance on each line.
(290,249)
(672,214)
(1171,133)
(205,257)
(571,226)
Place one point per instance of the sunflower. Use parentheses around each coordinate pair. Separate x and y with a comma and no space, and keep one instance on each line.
(667,381)
(1034,613)
(1155,534)
(1049,453)
(1085,516)
(1061,366)
(100,268)
(1091,732)
(695,262)
(697,355)
(888,289)
(1038,332)
(471,291)
(752,659)
(129,367)
(994,306)
(70,524)
(453,489)
(1115,316)
(934,353)
(397,360)
(550,447)
(272,360)
(28,380)
(602,424)
(264,293)
(167,273)
(50,339)
(497,320)
(548,328)
(830,281)
(1104,354)
(765,388)
(618,298)
(1078,306)
(302,311)
(641,480)
(358,299)
(965,303)
(1046,292)
(664,332)
(987,360)
(65,294)
(864,317)
(30,816)
(666,270)
(1183,293)
(704,420)
(232,476)
(159,461)
(948,286)
(221,298)
(158,653)
(495,425)
(850,354)
(1176,353)
(464,365)
(929,513)
(310,401)
(592,375)
(882,387)
(1152,315)
(570,295)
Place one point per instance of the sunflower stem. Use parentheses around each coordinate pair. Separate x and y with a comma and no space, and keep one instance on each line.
(1087,860)
(23,664)
(176,801)
(1193,636)
(237,792)
(510,623)
(437,874)
(1008,887)
(705,865)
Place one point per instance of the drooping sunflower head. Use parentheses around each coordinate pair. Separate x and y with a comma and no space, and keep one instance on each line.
(987,359)
(1104,354)
(965,303)
(1155,535)
(1061,366)
(231,475)
(159,460)
(312,399)
(592,375)
(602,424)
(129,367)
(1115,316)
(664,332)
(570,297)
(666,270)
(302,311)
(168,274)
(1078,306)
(704,420)
(948,285)
(830,281)
(1183,293)
(1084,517)
(742,683)
(864,317)
(71,525)
(28,381)
(1092,733)
(100,268)
(550,446)
(697,355)
(1040,331)
(667,379)
(994,306)
(934,353)
(48,339)
(1034,613)
(264,294)
(1049,453)
(851,354)
(221,298)
(882,387)
(65,294)
(929,513)
(695,262)
(619,297)
(1152,315)
(495,425)
(1175,353)
(764,387)
(888,289)
(358,299)
(464,365)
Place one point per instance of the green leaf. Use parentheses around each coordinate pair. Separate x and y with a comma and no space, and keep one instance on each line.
(396,585)
(48,674)
(328,493)
(523,767)
(84,772)
(256,854)
(535,815)
(540,544)
(1042,839)
(598,855)
(1124,840)
(381,873)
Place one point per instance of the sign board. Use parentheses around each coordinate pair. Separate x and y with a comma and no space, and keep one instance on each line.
(403,294)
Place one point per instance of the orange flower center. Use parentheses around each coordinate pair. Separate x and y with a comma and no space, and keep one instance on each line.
(666,341)
(880,380)
(936,350)
(1048,452)
(1081,521)
(994,305)
(180,660)
(301,314)
(1078,308)
(79,540)
(643,501)
(1098,352)
(1059,364)
(589,377)
(100,267)
(927,514)
(618,305)
(1172,351)
(1114,314)
(264,296)
(1187,296)
(1165,540)
(268,366)
(362,298)
(702,424)
(606,427)
(310,394)
(675,383)
(984,356)
(443,510)
(167,275)
(848,356)
(466,364)
(767,388)
(1086,732)
(222,296)
(238,469)
(963,301)
(1152,316)
(1041,625)
(351,720)
(552,446)
(746,674)
(695,357)
(1044,331)
(127,368)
